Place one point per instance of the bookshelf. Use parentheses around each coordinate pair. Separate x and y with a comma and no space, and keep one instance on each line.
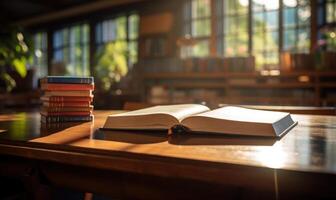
(300,88)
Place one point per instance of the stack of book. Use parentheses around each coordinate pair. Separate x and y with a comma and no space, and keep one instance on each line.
(67,99)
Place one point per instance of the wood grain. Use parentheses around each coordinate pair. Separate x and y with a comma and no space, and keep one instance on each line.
(305,154)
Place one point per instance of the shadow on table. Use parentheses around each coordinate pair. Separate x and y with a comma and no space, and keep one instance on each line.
(50,128)
(134,137)
(148,137)
(213,139)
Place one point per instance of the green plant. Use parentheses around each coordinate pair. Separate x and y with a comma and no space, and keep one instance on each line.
(111,64)
(14,54)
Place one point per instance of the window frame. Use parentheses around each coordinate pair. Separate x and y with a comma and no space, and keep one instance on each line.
(128,40)
(67,44)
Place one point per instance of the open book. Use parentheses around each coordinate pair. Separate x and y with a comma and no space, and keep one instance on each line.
(199,118)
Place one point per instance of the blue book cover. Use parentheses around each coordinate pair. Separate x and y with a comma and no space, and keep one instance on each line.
(57,119)
(68,79)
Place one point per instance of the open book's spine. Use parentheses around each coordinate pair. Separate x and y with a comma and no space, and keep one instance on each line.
(176,129)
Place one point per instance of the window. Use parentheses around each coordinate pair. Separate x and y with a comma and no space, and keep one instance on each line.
(252,27)
(197,25)
(232,30)
(71,49)
(123,33)
(40,62)
(265,30)
(327,25)
(296,26)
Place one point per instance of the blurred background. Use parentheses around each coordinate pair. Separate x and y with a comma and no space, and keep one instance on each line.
(258,52)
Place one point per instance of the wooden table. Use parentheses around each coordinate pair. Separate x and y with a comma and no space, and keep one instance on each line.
(151,165)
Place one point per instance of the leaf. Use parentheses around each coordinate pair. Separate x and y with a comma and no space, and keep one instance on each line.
(20,67)
(10,82)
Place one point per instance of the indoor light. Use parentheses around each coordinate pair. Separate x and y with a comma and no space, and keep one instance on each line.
(304,78)
(274,72)
(264,73)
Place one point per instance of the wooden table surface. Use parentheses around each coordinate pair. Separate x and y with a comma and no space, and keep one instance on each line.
(308,149)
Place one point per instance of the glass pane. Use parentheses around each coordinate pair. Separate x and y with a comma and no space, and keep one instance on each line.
(200,8)
(265,32)
(44,42)
(39,58)
(109,30)
(272,20)
(262,5)
(85,33)
(289,17)
(58,55)
(230,47)
(187,11)
(258,21)
(304,15)
(331,39)
(133,26)
(272,58)
(234,7)
(201,49)
(73,35)
(230,7)
(230,25)
(289,40)
(258,40)
(201,27)
(303,2)
(86,69)
(133,53)
(272,40)
(242,22)
(258,6)
(65,36)
(121,27)
(66,55)
(99,38)
(330,12)
(303,42)
(187,29)
(57,39)
(242,47)
(290,3)
(242,6)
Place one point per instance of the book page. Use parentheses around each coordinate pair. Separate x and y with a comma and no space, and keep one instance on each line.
(240,121)
(244,114)
(179,111)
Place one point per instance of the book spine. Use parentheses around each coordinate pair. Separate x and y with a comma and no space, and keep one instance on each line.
(66,87)
(67,109)
(74,80)
(69,93)
(67,104)
(69,113)
(69,98)
(56,119)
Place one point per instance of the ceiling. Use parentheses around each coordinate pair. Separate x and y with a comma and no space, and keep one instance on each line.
(14,10)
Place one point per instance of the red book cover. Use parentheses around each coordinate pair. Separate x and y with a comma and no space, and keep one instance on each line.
(66,109)
(65,113)
(67,104)
(66,98)
(69,93)
(65,87)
